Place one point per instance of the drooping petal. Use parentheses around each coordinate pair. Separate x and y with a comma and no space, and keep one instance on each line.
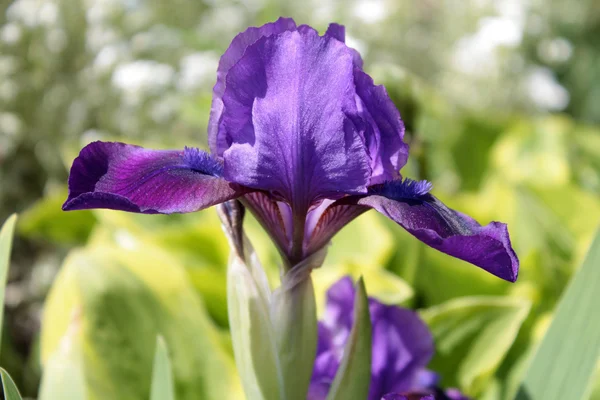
(232,55)
(130,178)
(288,104)
(384,129)
(409,204)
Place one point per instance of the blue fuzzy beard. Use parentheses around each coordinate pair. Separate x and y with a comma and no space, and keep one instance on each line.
(202,162)
(403,189)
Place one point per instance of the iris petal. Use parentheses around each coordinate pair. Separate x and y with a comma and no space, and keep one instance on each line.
(287,120)
(383,130)
(429,220)
(232,55)
(130,178)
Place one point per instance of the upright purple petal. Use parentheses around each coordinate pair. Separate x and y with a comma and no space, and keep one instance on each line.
(409,204)
(130,178)
(338,32)
(232,55)
(288,120)
(384,129)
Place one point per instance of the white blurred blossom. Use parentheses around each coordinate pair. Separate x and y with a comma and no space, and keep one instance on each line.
(197,70)
(545,91)
(370,11)
(142,76)
(11,33)
(477,53)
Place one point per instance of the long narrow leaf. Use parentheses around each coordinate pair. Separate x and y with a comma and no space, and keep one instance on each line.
(162,377)
(354,374)
(6,235)
(564,363)
(10,389)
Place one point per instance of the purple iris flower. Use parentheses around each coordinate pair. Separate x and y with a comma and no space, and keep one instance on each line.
(301,135)
(402,346)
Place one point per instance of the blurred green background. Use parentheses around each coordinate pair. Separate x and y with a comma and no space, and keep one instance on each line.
(500,99)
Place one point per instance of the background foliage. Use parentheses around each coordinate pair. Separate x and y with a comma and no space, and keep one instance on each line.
(500,101)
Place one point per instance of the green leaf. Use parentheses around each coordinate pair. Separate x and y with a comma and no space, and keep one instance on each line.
(6,236)
(354,244)
(195,240)
(162,377)
(565,361)
(46,220)
(473,335)
(354,374)
(126,298)
(64,372)
(10,389)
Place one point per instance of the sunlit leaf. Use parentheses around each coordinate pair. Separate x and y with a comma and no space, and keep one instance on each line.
(127,298)
(63,376)
(473,335)
(365,242)
(381,284)
(46,220)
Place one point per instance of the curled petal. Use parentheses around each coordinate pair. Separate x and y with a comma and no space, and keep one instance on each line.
(130,178)
(383,129)
(409,204)
(232,55)
(287,119)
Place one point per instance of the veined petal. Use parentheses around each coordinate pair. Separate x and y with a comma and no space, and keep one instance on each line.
(287,120)
(123,177)
(409,204)
(326,223)
(274,217)
(384,129)
(232,55)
